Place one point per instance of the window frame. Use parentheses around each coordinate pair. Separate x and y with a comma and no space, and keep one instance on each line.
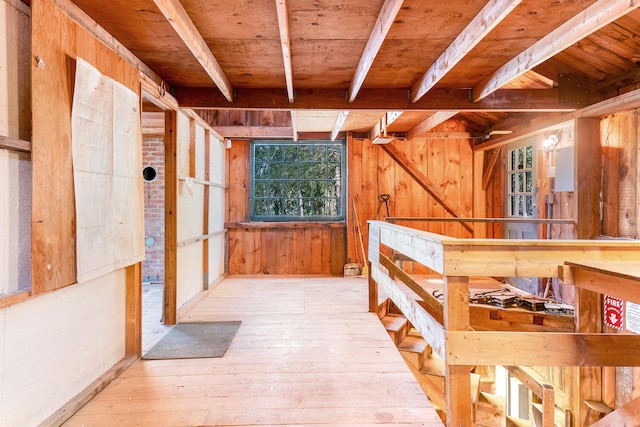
(342,198)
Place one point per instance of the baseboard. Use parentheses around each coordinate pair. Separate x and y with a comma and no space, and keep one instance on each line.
(71,407)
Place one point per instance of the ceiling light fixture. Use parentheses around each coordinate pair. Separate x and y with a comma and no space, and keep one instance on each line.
(550,142)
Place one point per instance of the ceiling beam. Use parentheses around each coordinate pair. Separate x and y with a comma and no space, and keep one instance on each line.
(430,122)
(380,128)
(575,29)
(338,125)
(624,102)
(255,131)
(511,100)
(485,21)
(285,42)
(177,16)
(387,15)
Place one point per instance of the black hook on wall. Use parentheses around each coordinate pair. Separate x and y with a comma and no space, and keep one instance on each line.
(385,198)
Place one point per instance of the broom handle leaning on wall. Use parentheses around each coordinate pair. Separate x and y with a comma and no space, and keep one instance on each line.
(364,254)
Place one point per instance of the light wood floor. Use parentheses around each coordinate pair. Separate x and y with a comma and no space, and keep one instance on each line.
(307,353)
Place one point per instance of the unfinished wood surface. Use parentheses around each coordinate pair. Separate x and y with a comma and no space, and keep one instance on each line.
(588,175)
(611,141)
(403,161)
(307,353)
(620,279)
(171,218)
(15,144)
(133,331)
(626,416)
(429,328)
(59,40)
(539,349)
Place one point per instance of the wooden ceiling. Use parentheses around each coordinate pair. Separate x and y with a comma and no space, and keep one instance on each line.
(351,66)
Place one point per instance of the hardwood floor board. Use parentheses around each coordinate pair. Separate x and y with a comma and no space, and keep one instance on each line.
(354,416)
(358,378)
(307,353)
(155,419)
(326,392)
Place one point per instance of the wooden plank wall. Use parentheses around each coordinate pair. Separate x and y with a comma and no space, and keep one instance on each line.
(58,41)
(448,162)
(282,249)
(621,175)
(621,207)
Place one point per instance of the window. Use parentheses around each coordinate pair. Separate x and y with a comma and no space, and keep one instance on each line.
(297,181)
(520,182)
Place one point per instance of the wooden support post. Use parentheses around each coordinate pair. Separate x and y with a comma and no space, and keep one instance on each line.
(588,174)
(373,292)
(457,378)
(589,382)
(133,328)
(548,406)
(205,219)
(170,218)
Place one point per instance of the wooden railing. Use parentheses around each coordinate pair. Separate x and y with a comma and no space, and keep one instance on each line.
(453,339)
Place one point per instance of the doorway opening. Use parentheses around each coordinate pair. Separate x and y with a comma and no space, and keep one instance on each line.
(153,173)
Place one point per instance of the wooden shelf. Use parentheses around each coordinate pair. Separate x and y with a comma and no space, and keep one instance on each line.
(285,225)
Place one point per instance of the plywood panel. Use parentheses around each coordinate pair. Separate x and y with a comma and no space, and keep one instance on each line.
(58,41)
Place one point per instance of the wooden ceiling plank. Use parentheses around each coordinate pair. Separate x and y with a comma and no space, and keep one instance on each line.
(338,125)
(387,15)
(575,29)
(511,100)
(81,18)
(431,122)
(285,42)
(488,18)
(177,16)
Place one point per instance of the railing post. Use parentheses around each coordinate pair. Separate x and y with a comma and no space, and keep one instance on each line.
(373,292)
(457,378)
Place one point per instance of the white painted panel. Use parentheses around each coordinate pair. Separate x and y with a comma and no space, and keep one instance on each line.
(57,344)
(183,141)
(216,257)
(3,349)
(190,210)
(189,272)
(199,152)
(216,208)
(15,221)
(217,161)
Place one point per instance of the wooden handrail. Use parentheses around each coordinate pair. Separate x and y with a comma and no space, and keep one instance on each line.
(537,221)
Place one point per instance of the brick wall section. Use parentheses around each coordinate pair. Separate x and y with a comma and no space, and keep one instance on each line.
(153,265)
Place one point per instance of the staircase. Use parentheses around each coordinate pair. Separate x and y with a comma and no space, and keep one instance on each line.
(429,369)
